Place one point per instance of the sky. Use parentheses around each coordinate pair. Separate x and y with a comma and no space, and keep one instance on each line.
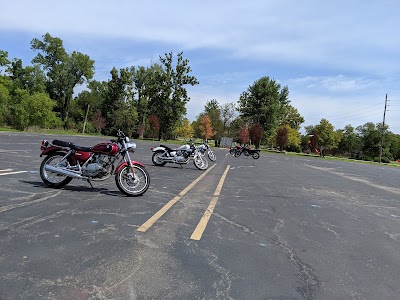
(339,59)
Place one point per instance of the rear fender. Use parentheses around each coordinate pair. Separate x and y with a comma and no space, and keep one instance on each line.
(54,149)
(159,149)
(125,164)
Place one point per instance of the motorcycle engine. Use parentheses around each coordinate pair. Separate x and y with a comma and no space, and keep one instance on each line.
(181,156)
(100,166)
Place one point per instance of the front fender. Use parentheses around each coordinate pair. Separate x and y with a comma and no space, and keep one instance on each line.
(125,164)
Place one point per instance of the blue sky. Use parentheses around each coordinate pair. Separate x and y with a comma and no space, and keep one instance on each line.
(338,58)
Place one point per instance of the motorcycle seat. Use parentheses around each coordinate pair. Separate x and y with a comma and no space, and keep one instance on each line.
(168,148)
(71,145)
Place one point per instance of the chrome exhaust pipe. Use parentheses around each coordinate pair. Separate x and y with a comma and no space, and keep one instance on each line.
(64,172)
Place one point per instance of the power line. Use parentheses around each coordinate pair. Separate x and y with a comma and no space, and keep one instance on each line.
(345,113)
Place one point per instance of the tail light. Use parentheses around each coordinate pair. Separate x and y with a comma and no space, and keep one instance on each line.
(44,145)
(151,148)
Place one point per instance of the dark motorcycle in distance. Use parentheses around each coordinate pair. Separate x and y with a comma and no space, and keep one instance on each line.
(247,151)
(65,161)
(182,155)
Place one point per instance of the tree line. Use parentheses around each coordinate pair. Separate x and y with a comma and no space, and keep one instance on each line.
(150,102)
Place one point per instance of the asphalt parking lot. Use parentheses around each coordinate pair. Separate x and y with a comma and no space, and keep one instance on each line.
(280,227)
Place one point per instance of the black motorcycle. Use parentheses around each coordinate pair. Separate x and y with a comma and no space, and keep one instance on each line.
(247,151)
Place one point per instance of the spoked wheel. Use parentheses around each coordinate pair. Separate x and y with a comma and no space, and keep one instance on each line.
(53,179)
(232,151)
(256,155)
(133,183)
(237,153)
(211,156)
(156,158)
(200,162)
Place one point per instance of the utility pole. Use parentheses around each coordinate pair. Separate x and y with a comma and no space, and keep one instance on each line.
(84,123)
(382,131)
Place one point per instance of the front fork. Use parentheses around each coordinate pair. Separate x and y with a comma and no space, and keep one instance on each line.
(129,161)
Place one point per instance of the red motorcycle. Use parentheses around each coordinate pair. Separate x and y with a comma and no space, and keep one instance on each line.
(65,161)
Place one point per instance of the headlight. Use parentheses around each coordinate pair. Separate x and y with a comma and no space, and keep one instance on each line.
(131,146)
(127,140)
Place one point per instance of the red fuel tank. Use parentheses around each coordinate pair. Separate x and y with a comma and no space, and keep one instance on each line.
(106,148)
(82,156)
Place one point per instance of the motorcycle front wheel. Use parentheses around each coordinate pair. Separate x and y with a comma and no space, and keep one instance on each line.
(200,162)
(237,153)
(211,156)
(53,179)
(132,183)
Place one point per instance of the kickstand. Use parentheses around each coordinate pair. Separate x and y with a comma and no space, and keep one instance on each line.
(90,184)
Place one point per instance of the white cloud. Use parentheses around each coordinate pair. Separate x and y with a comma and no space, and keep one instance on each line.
(334,56)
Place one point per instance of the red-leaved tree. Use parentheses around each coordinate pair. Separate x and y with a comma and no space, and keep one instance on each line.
(256,134)
(282,137)
(98,121)
(154,124)
(244,136)
(205,127)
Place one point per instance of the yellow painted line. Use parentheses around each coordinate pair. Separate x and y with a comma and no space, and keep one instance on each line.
(10,173)
(198,232)
(167,206)
(6,170)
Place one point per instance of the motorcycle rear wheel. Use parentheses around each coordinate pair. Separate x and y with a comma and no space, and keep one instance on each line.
(53,179)
(156,160)
(237,153)
(256,155)
(132,184)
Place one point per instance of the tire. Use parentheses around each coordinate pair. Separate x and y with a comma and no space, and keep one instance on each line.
(256,155)
(155,158)
(52,179)
(232,151)
(200,163)
(237,153)
(211,156)
(132,184)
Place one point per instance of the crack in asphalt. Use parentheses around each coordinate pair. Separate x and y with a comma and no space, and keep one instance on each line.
(310,281)
(34,199)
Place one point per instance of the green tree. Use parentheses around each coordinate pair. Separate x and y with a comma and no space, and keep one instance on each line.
(141,80)
(64,71)
(33,110)
(31,78)
(168,95)
(4,103)
(263,102)
(3,59)
(118,98)
(328,137)
(371,135)
(89,101)
(351,141)
(213,110)
(228,111)
(184,129)
(291,116)
(287,138)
